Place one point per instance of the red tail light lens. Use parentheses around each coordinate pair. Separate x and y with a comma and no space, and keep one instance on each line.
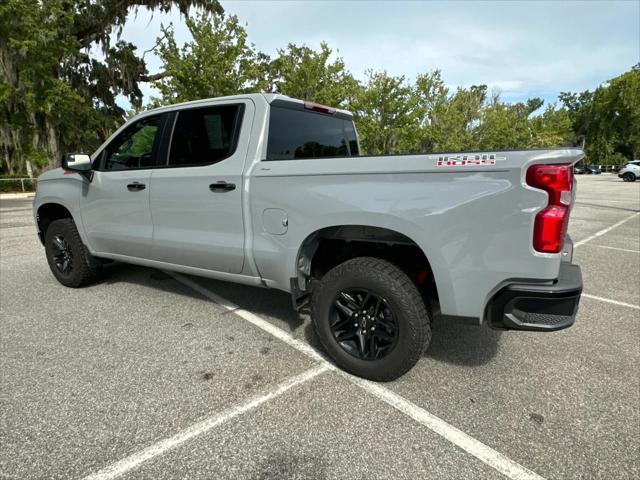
(550,229)
(551,223)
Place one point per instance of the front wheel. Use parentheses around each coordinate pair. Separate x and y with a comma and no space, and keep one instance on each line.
(629,177)
(66,254)
(371,318)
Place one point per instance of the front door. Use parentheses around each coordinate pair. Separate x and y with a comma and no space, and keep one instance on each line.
(196,200)
(115,205)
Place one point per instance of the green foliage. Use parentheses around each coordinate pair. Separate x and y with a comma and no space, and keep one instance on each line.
(551,129)
(16,183)
(503,126)
(457,118)
(617,159)
(39,159)
(394,116)
(615,118)
(217,62)
(301,72)
(385,114)
(56,93)
(608,118)
(142,141)
(512,126)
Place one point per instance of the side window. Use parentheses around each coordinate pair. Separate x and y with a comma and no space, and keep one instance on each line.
(135,147)
(352,138)
(300,134)
(203,136)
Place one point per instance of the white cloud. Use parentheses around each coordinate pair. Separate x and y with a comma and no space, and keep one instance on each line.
(522,48)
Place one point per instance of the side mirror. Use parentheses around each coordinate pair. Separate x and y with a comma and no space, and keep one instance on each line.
(77,162)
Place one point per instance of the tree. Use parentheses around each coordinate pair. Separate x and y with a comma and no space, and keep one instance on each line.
(63,66)
(385,114)
(608,118)
(551,129)
(301,72)
(455,120)
(502,127)
(431,97)
(57,93)
(506,126)
(615,118)
(218,61)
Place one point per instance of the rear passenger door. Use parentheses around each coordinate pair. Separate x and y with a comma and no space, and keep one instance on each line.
(196,199)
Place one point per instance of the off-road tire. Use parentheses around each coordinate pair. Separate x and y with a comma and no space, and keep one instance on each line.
(390,282)
(81,273)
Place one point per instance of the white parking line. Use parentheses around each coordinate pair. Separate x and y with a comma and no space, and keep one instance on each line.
(605,230)
(615,248)
(614,302)
(486,454)
(594,200)
(133,461)
(252,318)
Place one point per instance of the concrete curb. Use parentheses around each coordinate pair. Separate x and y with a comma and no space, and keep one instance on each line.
(17,195)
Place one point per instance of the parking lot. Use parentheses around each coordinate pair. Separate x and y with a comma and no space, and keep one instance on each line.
(151,375)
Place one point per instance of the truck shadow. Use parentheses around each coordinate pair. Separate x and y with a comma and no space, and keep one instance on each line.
(466,345)
(452,343)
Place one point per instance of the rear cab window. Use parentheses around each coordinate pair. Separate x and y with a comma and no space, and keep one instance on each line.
(299,133)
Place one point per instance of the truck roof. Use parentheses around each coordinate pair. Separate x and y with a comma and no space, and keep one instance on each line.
(268,97)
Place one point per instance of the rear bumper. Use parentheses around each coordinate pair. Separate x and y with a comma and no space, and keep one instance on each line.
(535,307)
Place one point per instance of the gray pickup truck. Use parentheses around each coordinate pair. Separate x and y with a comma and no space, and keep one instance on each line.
(270,191)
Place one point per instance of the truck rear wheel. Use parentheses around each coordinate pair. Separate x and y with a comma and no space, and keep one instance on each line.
(371,318)
(67,256)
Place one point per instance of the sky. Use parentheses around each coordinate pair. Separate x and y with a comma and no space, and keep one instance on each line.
(522,49)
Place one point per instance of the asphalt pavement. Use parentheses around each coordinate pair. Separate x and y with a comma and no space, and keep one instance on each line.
(147,375)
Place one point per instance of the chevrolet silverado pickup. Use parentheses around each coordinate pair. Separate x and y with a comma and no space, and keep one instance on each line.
(269,191)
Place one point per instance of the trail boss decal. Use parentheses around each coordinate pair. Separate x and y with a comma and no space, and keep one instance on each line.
(466,160)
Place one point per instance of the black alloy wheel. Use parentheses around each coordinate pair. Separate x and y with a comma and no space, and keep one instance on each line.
(363,324)
(68,258)
(370,318)
(62,255)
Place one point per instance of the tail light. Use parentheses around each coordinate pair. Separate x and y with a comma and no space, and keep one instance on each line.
(551,223)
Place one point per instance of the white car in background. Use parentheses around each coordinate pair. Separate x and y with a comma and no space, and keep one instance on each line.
(630,172)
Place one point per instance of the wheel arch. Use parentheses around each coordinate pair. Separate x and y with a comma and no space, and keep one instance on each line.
(48,212)
(366,239)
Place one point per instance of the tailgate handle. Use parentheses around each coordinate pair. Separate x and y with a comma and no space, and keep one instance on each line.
(222,186)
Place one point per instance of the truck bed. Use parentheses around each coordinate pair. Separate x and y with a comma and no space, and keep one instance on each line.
(473,222)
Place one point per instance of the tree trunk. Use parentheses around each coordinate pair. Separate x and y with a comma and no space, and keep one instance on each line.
(7,161)
(54,146)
